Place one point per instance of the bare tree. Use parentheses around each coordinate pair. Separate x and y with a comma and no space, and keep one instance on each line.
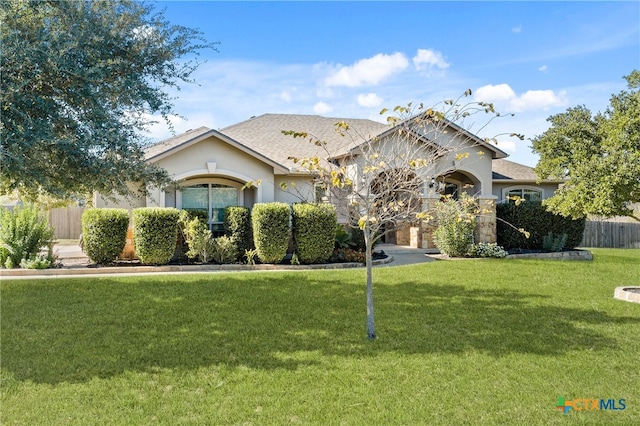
(379,182)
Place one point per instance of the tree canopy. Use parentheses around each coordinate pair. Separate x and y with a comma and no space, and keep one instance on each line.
(80,81)
(598,155)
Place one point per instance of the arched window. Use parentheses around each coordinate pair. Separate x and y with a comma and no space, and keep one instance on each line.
(525,193)
(210,199)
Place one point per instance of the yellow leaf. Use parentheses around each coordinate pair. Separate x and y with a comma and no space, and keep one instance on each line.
(462,155)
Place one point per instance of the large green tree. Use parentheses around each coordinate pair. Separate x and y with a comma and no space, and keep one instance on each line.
(80,81)
(598,155)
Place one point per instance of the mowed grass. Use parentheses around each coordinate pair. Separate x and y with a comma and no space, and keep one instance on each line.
(460,342)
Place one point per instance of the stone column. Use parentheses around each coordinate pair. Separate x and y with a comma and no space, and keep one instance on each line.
(428,227)
(486,231)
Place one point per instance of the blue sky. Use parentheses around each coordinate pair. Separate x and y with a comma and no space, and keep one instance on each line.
(351,59)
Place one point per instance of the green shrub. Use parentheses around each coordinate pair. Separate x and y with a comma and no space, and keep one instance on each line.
(200,214)
(237,225)
(342,237)
(197,237)
(456,223)
(554,243)
(38,262)
(534,218)
(313,229)
(487,250)
(270,223)
(184,218)
(356,239)
(224,250)
(104,233)
(155,232)
(24,232)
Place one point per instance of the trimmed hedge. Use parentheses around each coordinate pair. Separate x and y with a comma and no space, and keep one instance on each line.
(104,233)
(155,231)
(237,226)
(534,218)
(270,223)
(313,228)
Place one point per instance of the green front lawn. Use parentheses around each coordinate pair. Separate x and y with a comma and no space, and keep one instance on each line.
(460,342)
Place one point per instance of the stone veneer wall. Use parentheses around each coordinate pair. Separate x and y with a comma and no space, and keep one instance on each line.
(486,229)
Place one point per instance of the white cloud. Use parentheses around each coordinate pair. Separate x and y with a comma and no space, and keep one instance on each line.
(537,99)
(369,100)
(543,69)
(325,92)
(426,58)
(368,72)
(491,93)
(529,100)
(517,29)
(286,96)
(322,108)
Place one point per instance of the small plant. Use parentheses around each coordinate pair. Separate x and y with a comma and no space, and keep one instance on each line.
(9,263)
(38,262)
(554,243)
(348,255)
(251,255)
(487,250)
(342,237)
(224,250)
(23,233)
(198,238)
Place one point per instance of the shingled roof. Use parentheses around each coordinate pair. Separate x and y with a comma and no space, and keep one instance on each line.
(166,145)
(505,170)
(264,134)
(262,137)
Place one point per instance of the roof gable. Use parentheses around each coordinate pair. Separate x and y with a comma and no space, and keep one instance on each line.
(174,144)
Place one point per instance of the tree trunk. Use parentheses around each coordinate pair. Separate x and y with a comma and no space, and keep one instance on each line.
(371,325)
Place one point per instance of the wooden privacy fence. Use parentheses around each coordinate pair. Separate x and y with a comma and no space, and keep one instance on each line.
(67,222)
(611,234)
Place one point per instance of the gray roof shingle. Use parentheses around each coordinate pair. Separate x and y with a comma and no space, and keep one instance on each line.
(264,135)
(173,142)
(508,170)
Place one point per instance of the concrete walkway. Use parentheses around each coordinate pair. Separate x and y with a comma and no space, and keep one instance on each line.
(75,263)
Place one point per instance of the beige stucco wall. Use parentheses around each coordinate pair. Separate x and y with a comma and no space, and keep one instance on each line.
(100,201)
(298,189)
(213,158)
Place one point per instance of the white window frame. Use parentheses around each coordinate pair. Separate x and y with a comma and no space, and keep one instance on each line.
(505,191)
(211,181)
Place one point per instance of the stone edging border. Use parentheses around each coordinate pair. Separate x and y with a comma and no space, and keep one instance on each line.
(84,270)
(561,255)
(621,293)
